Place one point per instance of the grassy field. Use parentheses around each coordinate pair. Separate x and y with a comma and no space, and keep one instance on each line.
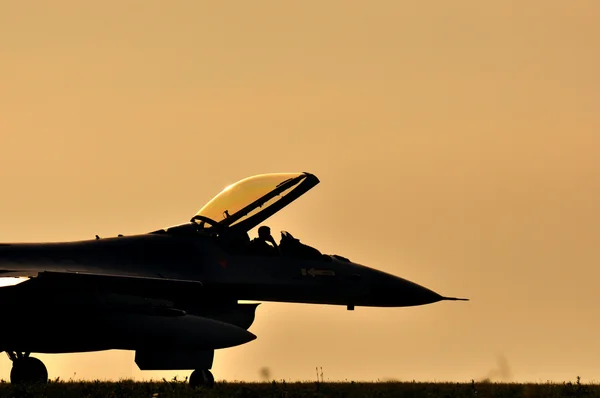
(305,389)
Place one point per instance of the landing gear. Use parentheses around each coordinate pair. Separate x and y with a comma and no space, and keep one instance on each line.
(26,369)
(202,378)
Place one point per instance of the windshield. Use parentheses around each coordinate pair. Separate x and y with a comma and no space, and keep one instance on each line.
(242,194)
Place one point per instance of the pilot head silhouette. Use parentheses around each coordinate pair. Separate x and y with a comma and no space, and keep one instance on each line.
(264,232)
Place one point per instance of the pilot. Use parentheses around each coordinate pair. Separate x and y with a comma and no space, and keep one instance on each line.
(261,244)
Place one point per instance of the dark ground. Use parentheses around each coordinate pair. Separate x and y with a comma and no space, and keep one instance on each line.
(304,389)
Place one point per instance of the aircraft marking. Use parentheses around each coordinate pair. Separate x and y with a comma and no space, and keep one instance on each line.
(314,272)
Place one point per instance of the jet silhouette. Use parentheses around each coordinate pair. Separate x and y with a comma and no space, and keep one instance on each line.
(172,295)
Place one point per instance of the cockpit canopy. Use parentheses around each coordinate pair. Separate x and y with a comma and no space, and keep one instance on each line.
(248,202)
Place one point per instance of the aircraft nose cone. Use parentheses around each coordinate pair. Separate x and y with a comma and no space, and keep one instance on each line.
(392,291)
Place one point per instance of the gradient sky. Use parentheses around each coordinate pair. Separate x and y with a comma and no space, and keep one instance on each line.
(456,142)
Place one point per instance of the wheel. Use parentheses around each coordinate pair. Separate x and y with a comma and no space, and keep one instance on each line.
(28,370)
(202,378)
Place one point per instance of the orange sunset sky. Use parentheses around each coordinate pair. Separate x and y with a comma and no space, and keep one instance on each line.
(457,144)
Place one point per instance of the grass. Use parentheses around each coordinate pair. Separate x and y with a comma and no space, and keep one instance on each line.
(175,388)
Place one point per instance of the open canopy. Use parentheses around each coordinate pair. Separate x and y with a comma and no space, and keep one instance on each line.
(250,201)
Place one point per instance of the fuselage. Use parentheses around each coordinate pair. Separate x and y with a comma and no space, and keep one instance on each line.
(225,276)
(91,315)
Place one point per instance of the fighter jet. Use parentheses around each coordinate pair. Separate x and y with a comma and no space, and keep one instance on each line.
(173,295)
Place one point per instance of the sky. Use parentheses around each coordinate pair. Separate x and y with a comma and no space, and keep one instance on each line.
(456,144)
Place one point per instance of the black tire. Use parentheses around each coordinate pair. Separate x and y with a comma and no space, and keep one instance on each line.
(202,378)
(28,370)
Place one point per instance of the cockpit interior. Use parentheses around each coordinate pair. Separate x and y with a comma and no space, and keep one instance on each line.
(244,205)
